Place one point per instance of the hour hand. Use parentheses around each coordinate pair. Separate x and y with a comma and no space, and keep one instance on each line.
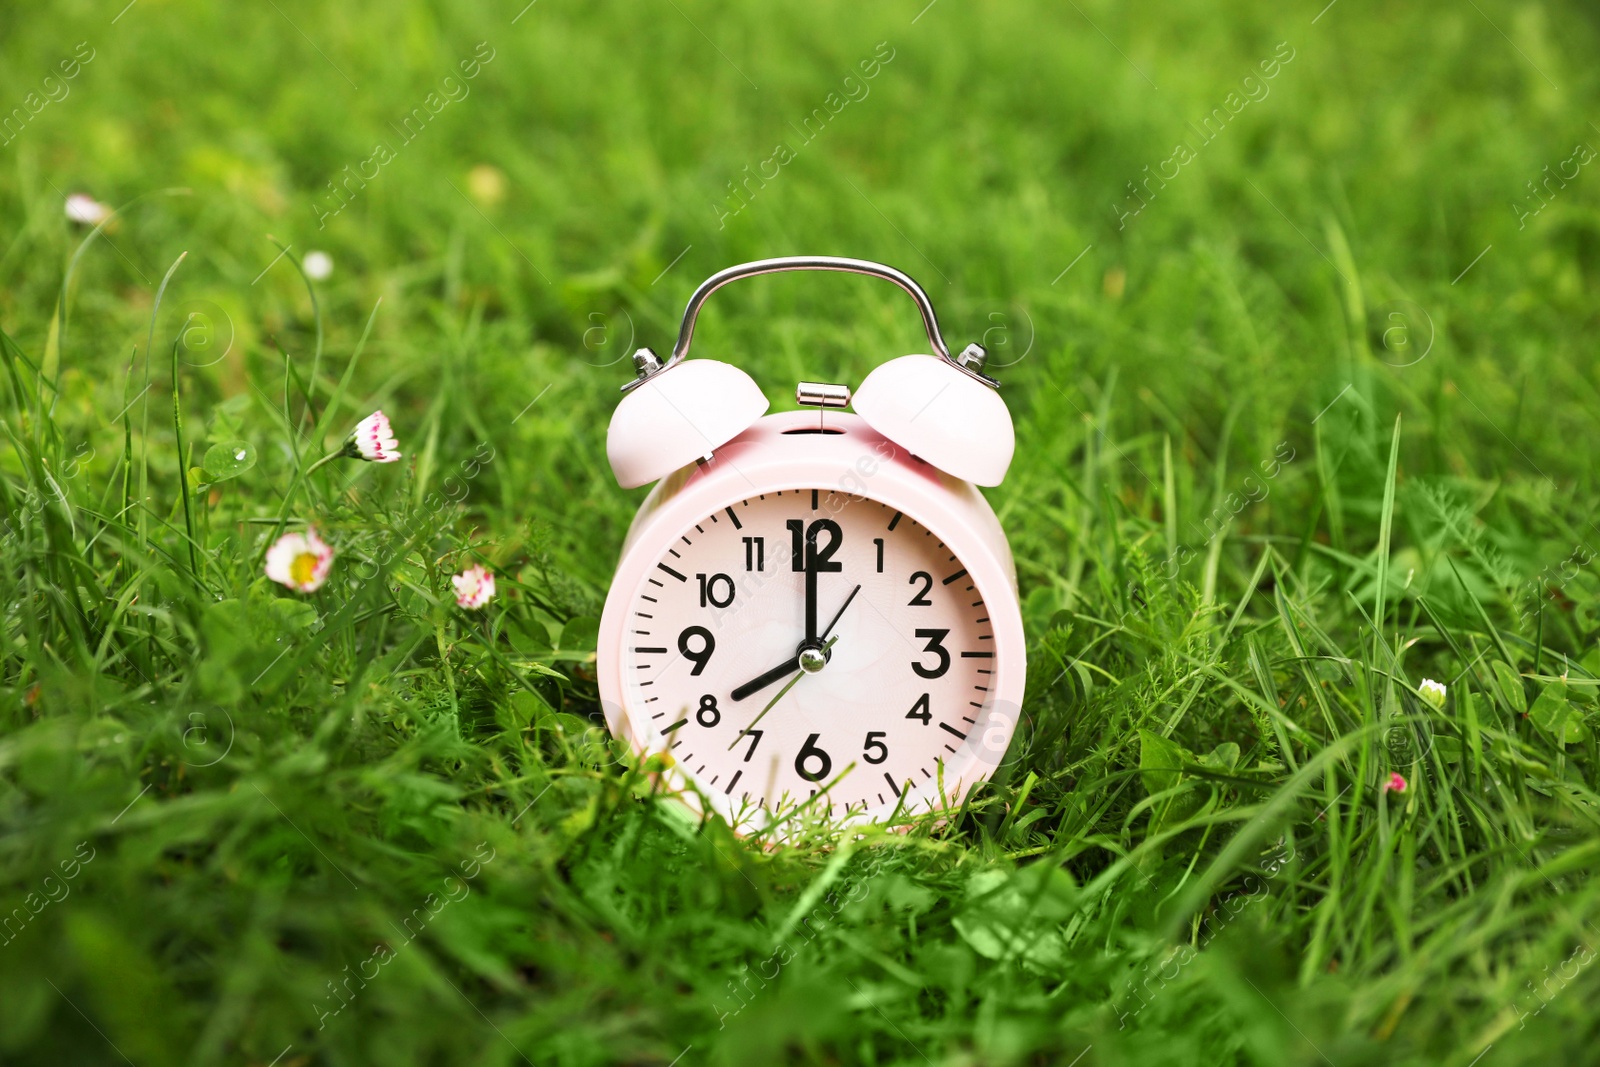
(810,657)
(755,685)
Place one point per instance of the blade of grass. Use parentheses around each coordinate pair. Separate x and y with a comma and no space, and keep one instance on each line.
(183,473)
(144,429)
(1385,529)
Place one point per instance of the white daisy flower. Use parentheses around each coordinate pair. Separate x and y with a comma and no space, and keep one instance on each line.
(1432,693)
(474,587)
(318,265)
(86,210)
(373,440)
(300,561)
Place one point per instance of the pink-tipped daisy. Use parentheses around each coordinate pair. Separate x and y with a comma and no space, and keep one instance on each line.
(85,209)
(300,561)
(373,440)
(1395,784)
(474,587)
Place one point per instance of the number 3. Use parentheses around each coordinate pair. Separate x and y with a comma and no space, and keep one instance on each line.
(934,645)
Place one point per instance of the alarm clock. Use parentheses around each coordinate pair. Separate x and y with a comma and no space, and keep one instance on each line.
(814,611)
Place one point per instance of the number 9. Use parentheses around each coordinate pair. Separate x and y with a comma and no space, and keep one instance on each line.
(699,656)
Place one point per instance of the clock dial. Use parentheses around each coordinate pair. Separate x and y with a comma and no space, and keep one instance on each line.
(805,640)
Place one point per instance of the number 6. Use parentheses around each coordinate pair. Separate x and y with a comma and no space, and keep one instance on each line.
(809,750)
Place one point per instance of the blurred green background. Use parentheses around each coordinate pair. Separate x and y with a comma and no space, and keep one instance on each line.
(1358,243)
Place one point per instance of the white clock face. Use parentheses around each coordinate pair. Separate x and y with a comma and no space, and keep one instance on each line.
(719,639)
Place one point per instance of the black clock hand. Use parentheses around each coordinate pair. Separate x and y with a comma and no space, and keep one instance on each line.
(840,613)
(793,663)
(762,681)
(798,674)
(811,591)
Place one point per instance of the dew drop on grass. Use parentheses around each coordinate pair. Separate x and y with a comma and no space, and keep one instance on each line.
(228,459)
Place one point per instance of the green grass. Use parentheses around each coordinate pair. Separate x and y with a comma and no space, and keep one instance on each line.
(1188,858)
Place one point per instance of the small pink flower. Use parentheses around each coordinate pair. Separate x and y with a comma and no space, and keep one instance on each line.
(86,210)
(373,440)
(474,587)
(300,561)
(1395,784)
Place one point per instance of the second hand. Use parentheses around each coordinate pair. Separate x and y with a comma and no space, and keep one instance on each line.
(790,684)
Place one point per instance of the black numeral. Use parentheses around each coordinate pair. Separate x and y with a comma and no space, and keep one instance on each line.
(919,710)
(808,553)
(936,646)
(755,553)
(709,590)
(810,751)
(707,714)
(874,743)
(920,599)
(879,542)
(824,553)
(755,739)
(702,655)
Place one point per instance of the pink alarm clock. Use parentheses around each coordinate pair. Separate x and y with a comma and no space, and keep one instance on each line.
(813,611)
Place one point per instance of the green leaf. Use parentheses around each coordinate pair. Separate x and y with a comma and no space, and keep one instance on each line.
(535,667)
(1467,705)
(904,894)
(581,633)
(229,460)
(25,1009)
(1511,687)
(225,626)
(578,638)
(1160,761)
(1554,714)
(127,987)
(292,614)
(227,417)
(520,710)
(1018,915)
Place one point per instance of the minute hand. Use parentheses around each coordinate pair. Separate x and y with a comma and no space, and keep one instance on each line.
(792,664)
(811,593)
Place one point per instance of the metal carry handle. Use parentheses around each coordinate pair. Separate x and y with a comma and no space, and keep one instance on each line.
(930,321)
(970,361)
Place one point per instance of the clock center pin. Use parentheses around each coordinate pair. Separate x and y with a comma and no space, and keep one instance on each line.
(812,659)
